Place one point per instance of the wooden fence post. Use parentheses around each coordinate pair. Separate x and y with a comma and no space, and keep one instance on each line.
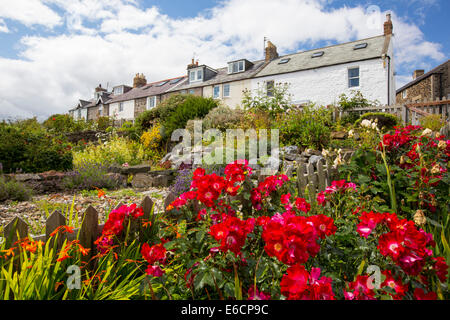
(147,206)
(312,182)
(321,175)
(16,227)
(301,179)
(55,220)
(89,231)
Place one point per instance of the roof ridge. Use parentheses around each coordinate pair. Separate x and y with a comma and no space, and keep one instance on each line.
(331,46)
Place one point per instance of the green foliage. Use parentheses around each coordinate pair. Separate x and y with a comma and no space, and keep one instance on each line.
(347,103)
(193,107)
(278,102)
(309,126)
(433,122)
(384,120)
(89,175)
(118,150)
(58,124)
(32,151)
(13,190)
(223,118)
(103,123)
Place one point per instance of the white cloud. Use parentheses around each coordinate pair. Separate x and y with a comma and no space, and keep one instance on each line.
(53,72)
(30,12)
(3,26)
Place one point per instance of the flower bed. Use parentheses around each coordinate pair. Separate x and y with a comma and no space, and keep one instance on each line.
(229,237)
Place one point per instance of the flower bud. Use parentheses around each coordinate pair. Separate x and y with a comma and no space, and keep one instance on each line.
(419,218)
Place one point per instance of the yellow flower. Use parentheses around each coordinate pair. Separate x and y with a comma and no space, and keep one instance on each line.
(419,218)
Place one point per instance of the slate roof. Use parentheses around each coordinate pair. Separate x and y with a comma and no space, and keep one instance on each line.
(222,76)
(426,75)
(150,89)
(333,55)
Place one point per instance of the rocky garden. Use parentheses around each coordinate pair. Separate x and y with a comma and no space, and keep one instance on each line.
(355,206)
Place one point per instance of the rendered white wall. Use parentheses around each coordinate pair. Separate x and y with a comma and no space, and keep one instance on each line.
(324,85)
(127,113)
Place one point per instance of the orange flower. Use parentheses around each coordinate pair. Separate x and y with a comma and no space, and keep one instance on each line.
(63,257)
(83,251)
(9,252)
(63,228)
(57,284)
(100,193)
(169,207)
(146,224)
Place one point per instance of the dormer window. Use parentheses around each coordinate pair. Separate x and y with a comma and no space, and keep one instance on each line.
(236,66)
(118,90)
(196,75)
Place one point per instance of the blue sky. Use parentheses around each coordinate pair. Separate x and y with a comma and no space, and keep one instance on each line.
(53,52)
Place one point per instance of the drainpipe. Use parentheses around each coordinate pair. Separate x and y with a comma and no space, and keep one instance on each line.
(389,79)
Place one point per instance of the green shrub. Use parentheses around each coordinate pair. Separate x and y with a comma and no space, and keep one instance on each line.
(223,118)
(118,150)
(433,122)
(193,107)
(385,120)
(64,123)
(32,151)
(88,175)
(14,190)
(103,123)
(306,127)
(161,112)
(278,102)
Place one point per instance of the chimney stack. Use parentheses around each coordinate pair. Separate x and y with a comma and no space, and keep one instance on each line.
(271,52)
(418,73)
(388,27)
(99,88)
(139,80)
(193,64)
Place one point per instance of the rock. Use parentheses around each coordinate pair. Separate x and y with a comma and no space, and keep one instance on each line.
(142,168)
(166,157)
(315,159)
(115,169)
(142,180)
(118,178)
(290,152)
(339,135)
(310,152)
(25,177)
(253,163)
(271,166)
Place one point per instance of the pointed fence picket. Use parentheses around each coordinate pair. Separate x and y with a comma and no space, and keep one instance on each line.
(89,231)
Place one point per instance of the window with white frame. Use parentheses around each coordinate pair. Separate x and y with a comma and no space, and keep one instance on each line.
(404,94)
(120,106)
(100,110)
(237,66)
(226,90)
(196,75)
(79,114)
(118,90)
(151,102)
(353,77)
(216,92)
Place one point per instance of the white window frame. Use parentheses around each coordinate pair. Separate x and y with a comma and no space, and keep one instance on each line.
(151,102)
(79,114)
(120,106)
(100,110)
(351,78)
(214,92)
(224,91)
(118,90)
(196,75)
(240,66)
(404,94)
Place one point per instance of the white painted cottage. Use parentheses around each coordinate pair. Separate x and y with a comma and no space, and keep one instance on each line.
(322,75)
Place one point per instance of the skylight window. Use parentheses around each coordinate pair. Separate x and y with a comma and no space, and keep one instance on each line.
(161,84)
(317,54)
(175,80)
(284,60)
(360,46)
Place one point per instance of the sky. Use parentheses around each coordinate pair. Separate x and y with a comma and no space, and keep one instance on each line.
(54,52)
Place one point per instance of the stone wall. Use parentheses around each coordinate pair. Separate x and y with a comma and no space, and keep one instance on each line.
(418,92)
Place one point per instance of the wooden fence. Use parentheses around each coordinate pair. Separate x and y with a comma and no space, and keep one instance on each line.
(411,112)
(311,179)
(89,231)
